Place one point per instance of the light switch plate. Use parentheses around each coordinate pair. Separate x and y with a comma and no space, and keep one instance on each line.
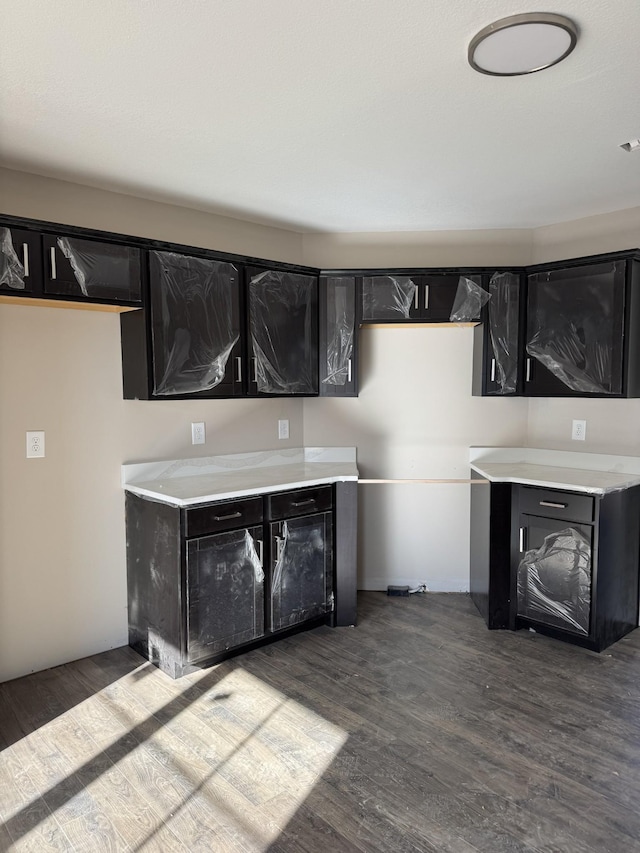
(35,444)
(283,428)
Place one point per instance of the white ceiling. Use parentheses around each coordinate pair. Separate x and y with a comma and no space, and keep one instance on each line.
(331,115)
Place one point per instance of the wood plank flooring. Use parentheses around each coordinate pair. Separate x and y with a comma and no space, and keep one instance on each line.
(419,730)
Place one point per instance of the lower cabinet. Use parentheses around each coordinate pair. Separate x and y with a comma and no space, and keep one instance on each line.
(561,563)
(211,580)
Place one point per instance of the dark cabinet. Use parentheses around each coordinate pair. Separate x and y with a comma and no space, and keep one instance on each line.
(419,297)
(338,337)
(20,261)
(225,591)
(575,330)
(196,340)
(283,332)
(212,579)
(79,267)
(496,359)
(563,563)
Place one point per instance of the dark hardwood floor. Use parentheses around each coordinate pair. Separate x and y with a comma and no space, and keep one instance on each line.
(419,730)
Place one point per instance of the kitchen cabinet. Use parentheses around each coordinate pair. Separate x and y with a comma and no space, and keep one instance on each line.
(282,309)
(497,366)
(339,326)
(196,331)
(419,297)
(218,577)
(90,269)
(301,556)
(20,261)
(562,563)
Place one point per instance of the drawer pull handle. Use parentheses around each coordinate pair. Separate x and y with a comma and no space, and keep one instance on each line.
(303,503)
(553,505)
(227,517)
(25,255)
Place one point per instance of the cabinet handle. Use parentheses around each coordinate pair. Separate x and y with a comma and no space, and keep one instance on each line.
(254,363)
(239,369)
(25,259)
(522,529)
(349,370)
(527,378)
(493,370)
(279,544)
(426,297)
(554,505)
(54,268)
(303,503)
(260,545)
(227,517)
(416,296)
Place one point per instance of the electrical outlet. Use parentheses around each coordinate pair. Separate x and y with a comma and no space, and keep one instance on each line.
(579,430)
(283,429)
(35,444)
(197,433)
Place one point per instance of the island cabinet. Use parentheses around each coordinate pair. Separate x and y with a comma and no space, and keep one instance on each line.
(560,562)
(217,578)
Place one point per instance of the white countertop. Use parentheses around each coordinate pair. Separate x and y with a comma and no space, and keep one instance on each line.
(593,473)
(186,482)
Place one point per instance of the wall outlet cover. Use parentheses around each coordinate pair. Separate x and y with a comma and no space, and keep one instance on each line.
(197,433)
(35,444)
(579,430)
(283,428)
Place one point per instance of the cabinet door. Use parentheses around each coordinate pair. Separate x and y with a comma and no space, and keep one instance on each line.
(436,295)
(503,334)
(389,298)
(338,333)
(554,575)
(283,332)
(20,261)
(575,330)
(90,269)
(302,570)
(195,323)
(225,592)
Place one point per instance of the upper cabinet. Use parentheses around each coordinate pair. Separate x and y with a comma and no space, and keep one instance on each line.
(579,329)
(90,269)
(195,326)
(426,298)
(20,261)
(338,337)
(283,332)
(497,364)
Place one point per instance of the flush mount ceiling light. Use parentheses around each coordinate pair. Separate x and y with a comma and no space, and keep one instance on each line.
(631,145)
(522,44)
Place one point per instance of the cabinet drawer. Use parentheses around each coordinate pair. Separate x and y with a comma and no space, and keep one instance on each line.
(223,516)
(553,504)
(300,502)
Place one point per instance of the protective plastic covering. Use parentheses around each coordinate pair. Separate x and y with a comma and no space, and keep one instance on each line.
(283,326)
(195,325)
(102,269)
(302,580)
(504,309)
(469,300)
(576,326)
(11,270)
(341,323)
(554,581)
(387,297)
(225,592)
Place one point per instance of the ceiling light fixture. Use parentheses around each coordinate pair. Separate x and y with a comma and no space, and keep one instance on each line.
(522,44)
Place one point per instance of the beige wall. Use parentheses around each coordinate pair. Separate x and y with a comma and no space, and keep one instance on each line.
(62,543)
